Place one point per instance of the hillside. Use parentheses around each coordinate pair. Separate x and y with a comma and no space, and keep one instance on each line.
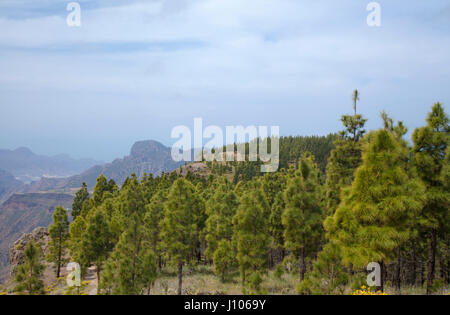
(22,213)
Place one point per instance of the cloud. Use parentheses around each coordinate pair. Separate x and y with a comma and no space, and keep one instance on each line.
(148,65)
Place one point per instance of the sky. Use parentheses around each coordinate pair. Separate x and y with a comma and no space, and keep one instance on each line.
(136,69)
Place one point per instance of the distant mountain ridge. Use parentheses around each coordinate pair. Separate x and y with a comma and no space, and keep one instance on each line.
(27,166)
(149,156)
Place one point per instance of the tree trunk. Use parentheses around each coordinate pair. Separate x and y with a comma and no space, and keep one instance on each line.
(422,271)
(414,265)
(431,262)
(302,264)
(180,277)
(58,270)
(397,271)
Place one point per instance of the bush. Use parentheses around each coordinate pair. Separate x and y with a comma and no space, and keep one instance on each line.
(255,282)
(279,271)
(305,287)
(359,280)
(438,284)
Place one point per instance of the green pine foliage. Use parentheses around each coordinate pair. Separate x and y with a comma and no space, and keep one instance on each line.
(345,158)
(430,151)
(373,220)
(28,275)
(179,231)
(59,239)
(81,197)
(220,209)
(302,217)
(96,241)
(251,236)
(223,258)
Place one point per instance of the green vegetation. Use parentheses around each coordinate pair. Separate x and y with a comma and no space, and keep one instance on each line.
(59,236)
(310,228)
(28,275)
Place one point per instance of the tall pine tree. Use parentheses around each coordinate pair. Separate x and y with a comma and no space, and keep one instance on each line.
(346,157)
(251,233)
(374,218)
(59,237)
(430,145)
(302,217)
(179,227)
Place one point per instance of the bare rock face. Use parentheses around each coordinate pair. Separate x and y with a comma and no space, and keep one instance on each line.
(16,252)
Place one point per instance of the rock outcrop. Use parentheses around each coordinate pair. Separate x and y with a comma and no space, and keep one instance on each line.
(16,252)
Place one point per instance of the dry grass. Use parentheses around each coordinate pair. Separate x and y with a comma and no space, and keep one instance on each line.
(201,280)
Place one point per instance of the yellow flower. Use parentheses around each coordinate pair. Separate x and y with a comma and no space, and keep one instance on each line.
(367,291)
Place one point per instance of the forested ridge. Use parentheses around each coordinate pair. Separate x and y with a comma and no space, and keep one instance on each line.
(336,204)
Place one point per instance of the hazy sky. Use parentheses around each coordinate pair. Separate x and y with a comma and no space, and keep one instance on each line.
(136,69)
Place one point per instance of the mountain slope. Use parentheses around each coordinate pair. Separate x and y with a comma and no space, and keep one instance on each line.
(22,213)
(8,185)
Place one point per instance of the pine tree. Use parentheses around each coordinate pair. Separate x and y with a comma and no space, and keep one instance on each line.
(276,227)
(220,208)
(152,221)
(430,145)
(131,269)
(374,218)
(250,234)
(29,274)
(96,241)
(345,158)
(302,217)
(81,197)
(59,237)
(76,232)
(178,228)
(223,258)
(328,275)
(273,184)
(102,187)
(200,222)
